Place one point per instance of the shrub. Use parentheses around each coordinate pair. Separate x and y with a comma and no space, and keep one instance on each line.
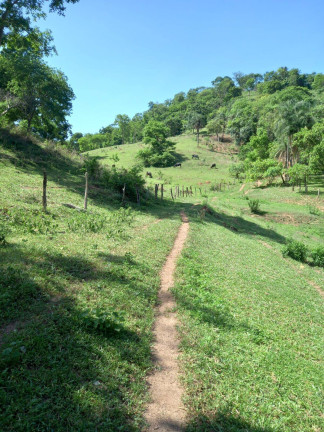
(314,210)
(4,230)
(318,256)
(92,166)
(295,250)
(254,205)
(132,178)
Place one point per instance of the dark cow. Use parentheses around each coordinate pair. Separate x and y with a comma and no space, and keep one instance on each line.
(213,166)
(194,156)
(148,174)
(178,164)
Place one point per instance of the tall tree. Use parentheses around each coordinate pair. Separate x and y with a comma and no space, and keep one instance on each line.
(123,122)
(16,16)
(196,121)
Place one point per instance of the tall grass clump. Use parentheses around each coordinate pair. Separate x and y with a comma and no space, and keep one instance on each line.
(254,205)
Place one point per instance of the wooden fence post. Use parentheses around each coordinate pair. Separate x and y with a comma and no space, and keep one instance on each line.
(161,191)
(172,195)
(44,192)
(156,190)
(138,196)
(124,193)
(86,192)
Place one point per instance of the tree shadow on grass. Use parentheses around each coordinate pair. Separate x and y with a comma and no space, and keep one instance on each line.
(61,373)
(223,421)
(218,316)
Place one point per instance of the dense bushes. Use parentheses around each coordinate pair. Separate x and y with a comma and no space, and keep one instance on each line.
(299,252)
(295,250)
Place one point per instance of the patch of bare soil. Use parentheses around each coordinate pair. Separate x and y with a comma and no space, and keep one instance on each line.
(166,413)
(145,227)
(288,218)
(242,187)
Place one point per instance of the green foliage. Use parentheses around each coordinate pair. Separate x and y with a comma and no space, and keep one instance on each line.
(86,223)
(4,227)
(103,320)
(254,205)
(237,170)
(92,141)
(117,179)
(314,210)
(12,354)
(295,250)
(262,169)
(32,221)
(316,162)
(317,255)
(160,151)
(92,166)
(298,173)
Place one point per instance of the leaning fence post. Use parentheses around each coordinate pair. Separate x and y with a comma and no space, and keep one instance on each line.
(171,194)
(86,192)
(44,191)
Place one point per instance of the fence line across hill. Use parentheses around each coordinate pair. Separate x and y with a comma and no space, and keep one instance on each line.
(174,192)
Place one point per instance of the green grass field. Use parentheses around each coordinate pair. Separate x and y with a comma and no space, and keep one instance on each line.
(78,292)
(192,173)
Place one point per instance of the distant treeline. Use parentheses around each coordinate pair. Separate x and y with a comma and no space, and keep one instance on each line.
(276,120)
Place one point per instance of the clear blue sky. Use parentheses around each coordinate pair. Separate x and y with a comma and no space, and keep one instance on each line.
(120,55)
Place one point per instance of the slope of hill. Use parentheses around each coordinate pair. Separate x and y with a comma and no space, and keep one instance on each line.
(78,292)
(192,172)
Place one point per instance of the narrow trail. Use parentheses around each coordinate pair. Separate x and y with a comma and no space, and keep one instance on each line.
(166,413)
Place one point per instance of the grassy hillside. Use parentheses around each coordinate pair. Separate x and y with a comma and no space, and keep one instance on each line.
(77,297)
(192,172)
(78,291)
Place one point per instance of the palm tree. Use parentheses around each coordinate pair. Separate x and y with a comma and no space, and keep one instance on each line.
(292,116)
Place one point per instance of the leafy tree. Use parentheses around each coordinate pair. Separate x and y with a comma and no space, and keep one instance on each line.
(299,173)
(73,142)
(40,95)
(218,122)
(225,89)
(318,83)
(160,151)
(16,16)
(292,116)
(136,127)
(123,122)
(316,162)
(196,121)
(92,141)
(242,121)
